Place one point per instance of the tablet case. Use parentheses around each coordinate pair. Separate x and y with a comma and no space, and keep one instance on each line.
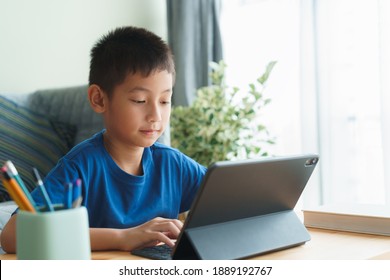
(245,208)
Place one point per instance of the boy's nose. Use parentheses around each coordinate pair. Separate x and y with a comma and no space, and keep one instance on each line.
(154,114)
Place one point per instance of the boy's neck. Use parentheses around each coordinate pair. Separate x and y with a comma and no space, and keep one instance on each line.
(128,159)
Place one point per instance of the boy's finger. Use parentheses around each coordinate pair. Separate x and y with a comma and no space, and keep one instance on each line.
(168,226)
(163,238)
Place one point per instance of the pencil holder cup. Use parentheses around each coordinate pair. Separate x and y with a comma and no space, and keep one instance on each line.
(58,235)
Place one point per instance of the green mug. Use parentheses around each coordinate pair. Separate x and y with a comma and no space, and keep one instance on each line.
(58,235)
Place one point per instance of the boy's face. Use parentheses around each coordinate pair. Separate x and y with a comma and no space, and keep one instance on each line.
(139,109)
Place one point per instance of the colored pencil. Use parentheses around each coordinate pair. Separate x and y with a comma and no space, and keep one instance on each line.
(12,169)
(15,191)
(41,186)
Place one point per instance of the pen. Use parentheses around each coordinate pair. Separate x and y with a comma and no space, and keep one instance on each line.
(68,196)
(40,185)
(15,191)
(14,172)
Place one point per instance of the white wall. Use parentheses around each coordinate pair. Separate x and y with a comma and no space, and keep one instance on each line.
(46,43)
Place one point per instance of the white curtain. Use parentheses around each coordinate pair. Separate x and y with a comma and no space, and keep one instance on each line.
(330,90)
(350,40)
(384,54)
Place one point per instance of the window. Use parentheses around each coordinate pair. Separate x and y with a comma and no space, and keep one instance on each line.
(330,89)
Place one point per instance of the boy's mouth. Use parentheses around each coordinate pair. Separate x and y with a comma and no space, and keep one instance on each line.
(150,132)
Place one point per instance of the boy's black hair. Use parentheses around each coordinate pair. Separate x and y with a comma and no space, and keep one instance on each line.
(128,50)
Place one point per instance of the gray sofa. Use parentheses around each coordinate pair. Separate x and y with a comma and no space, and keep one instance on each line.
(38,128)
(67,105)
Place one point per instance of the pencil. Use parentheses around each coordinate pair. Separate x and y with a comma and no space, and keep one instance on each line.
(16,192)
(77,194)
(14,172)
(11,192)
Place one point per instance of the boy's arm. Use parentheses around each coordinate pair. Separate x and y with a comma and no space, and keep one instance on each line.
(8,235)
(148,234)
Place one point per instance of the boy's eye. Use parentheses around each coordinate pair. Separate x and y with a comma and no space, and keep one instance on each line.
(138,101)
(166,102)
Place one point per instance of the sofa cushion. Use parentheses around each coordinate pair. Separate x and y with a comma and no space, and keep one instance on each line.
(68,105)
(6,210)
(29,140)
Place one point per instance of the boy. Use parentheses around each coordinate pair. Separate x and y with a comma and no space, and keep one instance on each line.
(133,187)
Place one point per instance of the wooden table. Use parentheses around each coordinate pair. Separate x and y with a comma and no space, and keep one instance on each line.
(324,245)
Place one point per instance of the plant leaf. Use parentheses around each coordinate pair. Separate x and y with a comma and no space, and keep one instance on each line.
(267,72)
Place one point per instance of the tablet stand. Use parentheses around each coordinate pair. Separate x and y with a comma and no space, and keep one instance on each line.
(243,238)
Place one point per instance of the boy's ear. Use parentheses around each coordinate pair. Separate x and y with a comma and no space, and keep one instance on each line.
(97,98)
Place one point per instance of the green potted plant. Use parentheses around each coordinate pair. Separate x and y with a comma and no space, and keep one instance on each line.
(223,122)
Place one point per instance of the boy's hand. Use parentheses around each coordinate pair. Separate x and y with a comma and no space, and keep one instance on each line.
(152,233)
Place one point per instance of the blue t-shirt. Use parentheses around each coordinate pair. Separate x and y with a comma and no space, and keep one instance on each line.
(116,199)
